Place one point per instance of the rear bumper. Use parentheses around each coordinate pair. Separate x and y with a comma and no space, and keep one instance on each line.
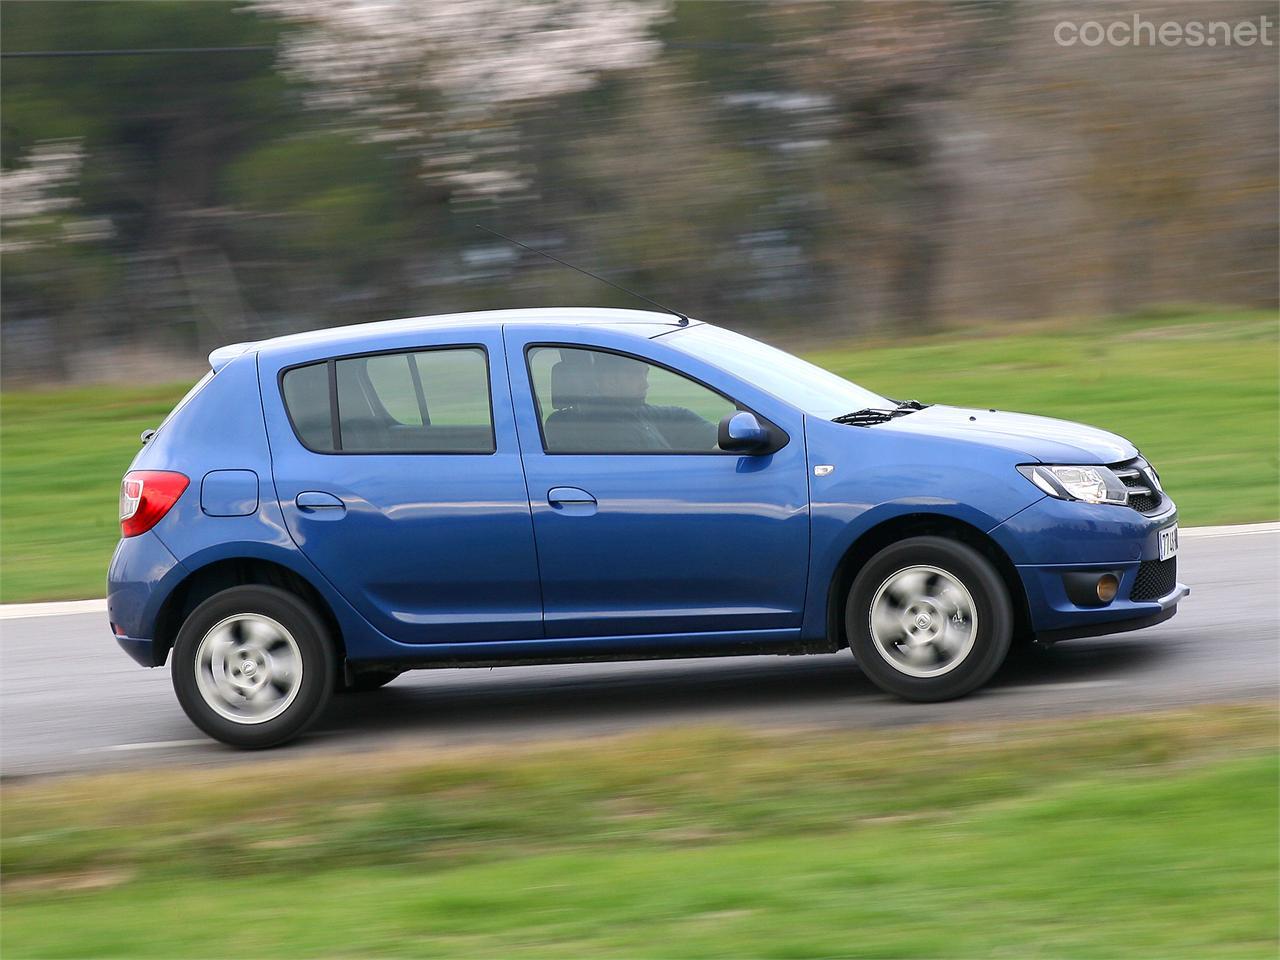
(142,574)
(144,652)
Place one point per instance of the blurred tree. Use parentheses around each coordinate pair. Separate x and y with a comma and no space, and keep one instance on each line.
(155,130)
(668,192)
(890,69)
(55,262)
(813,169)
(323,219)
(442,80)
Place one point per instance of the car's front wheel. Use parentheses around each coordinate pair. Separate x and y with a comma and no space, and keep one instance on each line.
(929,618)
(253,666)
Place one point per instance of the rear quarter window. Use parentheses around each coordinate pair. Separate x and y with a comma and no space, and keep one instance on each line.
(306,397)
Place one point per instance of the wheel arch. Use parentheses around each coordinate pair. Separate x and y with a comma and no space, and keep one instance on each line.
(219,575)
(875,539)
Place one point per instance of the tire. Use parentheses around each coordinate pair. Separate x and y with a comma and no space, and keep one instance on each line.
(253,666)
(368,682)
(929,619)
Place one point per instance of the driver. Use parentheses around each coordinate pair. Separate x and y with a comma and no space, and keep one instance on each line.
(622,386)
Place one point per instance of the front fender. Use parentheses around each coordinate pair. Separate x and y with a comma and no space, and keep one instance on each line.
(877,477)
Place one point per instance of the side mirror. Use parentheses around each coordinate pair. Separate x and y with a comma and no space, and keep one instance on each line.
(741,432)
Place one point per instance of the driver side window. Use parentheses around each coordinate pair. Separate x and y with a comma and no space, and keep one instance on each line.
(597,401)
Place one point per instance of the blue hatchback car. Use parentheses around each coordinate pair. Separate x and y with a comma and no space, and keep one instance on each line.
(325,511)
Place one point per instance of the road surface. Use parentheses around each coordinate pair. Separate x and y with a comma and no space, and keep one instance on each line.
(70,700)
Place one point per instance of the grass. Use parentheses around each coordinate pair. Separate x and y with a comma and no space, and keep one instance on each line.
(62,454)
(1138,836)
(1197,392)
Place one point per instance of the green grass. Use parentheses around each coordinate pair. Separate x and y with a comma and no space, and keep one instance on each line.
(62,454)
(1139,836)
(1198,394)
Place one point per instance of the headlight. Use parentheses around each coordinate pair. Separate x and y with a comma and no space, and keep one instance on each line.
(1086,484)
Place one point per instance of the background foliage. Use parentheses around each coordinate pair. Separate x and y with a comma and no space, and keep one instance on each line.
(810,171)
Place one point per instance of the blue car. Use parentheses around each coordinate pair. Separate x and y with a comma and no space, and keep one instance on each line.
(325,511)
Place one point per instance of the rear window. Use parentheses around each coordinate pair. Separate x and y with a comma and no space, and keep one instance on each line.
(423,401)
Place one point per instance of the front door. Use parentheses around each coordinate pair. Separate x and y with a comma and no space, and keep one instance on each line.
(412,501)
(643,525)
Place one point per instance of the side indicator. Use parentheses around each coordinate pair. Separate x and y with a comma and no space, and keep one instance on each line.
(823,469)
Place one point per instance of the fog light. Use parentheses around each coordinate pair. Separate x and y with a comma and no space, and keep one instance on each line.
(1107,587)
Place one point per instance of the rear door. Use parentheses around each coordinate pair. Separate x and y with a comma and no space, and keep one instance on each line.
(399,476)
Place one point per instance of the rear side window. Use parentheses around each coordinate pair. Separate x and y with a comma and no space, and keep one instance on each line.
(391,377)
(306,396)
(425,401)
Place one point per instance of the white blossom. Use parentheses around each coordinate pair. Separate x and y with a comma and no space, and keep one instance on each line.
(36,196)
(442,77)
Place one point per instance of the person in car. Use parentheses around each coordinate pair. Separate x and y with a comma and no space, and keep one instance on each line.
(612,414)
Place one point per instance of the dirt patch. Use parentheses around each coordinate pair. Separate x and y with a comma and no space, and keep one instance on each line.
(79,882)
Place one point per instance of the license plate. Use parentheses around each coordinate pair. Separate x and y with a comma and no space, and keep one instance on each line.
(1168,542)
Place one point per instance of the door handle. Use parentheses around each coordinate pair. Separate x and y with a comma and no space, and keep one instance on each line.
(568,495)
(311,501)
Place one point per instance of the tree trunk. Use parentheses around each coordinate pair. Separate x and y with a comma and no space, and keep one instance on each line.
(901,134)
(915,283)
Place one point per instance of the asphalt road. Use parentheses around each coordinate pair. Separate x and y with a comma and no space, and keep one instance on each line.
(70,700)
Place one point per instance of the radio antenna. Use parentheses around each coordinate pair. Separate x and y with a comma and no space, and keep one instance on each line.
(617,286)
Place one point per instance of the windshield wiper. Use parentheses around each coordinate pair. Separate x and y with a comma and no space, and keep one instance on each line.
(869,416)
(865,417)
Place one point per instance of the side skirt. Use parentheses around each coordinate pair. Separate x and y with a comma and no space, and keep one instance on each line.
(654,646)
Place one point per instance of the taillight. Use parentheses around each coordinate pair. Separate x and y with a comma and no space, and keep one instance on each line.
(146,496)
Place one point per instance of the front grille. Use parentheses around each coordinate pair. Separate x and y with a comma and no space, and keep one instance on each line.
(1144,502)
(1155,579)
(1136,475)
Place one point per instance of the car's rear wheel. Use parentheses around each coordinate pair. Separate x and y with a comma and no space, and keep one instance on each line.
(253,666)
(928,619)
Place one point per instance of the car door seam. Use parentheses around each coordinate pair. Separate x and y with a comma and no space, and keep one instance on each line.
(271,453)
(524,474)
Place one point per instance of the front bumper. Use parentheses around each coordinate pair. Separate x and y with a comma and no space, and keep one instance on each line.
(1055,617)
(1115,626)
(1053,540)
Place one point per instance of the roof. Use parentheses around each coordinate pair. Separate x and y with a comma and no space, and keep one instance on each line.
(641,323)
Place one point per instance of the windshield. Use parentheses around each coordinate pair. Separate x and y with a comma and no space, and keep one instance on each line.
(818,392)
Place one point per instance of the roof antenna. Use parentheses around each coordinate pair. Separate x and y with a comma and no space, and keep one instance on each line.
(617,286)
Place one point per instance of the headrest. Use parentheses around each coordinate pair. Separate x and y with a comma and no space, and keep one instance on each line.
(572,382)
